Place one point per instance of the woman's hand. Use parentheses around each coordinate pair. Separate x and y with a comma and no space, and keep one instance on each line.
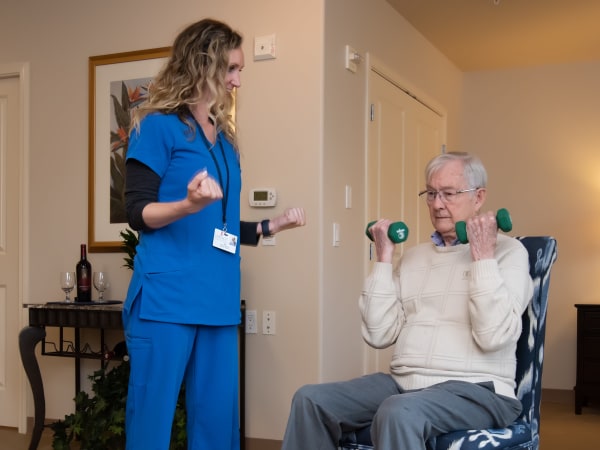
(291,218)
(202,190)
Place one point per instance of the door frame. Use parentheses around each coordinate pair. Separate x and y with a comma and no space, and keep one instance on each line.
(378,66)
(21,71)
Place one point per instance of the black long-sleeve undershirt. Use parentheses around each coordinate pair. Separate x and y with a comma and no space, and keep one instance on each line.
(141,188)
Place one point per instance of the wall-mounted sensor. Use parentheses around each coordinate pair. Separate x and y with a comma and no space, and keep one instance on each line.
(263,198)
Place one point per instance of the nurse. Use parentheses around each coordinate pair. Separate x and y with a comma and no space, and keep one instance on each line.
(183,186)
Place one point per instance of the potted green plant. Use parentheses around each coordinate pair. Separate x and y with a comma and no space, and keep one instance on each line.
(98,422)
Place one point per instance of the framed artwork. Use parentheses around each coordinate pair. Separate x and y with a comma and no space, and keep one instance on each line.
(118,83)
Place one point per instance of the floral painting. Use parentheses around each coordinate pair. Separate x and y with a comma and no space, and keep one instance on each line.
(125,96)
(118,84)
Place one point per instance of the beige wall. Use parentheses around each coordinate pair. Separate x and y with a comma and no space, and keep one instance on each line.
(372,28)
(537,131)
(280,117)
(302,121)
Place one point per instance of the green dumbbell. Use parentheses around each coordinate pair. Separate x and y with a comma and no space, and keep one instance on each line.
(502,219)
(397,232)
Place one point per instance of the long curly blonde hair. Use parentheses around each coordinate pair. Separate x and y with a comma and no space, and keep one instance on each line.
(197,65)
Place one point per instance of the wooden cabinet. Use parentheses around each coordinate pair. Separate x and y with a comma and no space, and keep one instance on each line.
(588,355)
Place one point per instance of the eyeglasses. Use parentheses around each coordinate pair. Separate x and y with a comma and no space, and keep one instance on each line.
(447,196)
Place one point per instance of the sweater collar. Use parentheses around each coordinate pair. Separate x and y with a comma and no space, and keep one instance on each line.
(438,240)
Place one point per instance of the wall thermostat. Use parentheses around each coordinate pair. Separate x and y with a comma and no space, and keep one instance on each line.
(263,198)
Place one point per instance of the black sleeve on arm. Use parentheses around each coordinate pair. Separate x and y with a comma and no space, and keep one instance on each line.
(141,188)
(142,185)
(248,234)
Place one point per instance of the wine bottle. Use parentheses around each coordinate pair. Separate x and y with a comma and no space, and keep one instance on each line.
(83,271)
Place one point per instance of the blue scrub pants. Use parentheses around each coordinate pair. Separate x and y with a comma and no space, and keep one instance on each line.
(162,355)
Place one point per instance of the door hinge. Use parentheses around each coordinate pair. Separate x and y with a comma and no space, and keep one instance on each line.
(372,113)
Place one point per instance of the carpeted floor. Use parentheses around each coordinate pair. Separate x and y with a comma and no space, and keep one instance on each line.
(560,429)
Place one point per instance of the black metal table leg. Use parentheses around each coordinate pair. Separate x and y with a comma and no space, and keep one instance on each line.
(29,337)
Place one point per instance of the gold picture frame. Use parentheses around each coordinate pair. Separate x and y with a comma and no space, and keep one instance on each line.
(117,83)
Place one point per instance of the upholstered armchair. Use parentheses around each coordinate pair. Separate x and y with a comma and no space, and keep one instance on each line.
(524,432)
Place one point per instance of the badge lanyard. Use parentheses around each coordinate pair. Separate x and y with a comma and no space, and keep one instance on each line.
(219,174)
(226,188)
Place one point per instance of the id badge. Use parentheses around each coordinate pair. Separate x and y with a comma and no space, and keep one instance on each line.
(225,241)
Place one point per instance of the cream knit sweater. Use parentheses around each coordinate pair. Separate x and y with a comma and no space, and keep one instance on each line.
(451,318)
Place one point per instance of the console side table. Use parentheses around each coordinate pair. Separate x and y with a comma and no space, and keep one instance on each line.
(99,316)
(61,315)
(588,355)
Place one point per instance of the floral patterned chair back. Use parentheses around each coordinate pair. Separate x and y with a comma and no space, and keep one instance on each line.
(524,432)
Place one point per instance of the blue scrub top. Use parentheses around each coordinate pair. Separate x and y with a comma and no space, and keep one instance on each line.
(179,275)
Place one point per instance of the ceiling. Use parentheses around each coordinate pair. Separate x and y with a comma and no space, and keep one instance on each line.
(500,34)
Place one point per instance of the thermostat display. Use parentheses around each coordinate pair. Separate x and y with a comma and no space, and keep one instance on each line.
(263,198)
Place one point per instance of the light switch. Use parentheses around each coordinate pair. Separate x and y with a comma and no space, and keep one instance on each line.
(336,234)
(348,196)
(352,59)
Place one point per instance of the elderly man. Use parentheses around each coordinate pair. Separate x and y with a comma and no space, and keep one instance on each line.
(453,312)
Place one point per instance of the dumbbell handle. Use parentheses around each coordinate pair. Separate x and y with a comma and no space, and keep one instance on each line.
(397,232)
(503,221)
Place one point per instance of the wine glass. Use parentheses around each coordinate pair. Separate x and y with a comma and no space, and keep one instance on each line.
(100,283)
(67,283)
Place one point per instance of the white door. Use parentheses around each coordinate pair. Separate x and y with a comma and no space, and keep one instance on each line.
(10,262)
(403,135)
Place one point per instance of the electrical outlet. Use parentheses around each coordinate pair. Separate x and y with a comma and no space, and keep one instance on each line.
(268,324)
(251,326)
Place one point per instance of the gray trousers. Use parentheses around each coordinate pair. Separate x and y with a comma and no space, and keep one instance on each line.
(400,420)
